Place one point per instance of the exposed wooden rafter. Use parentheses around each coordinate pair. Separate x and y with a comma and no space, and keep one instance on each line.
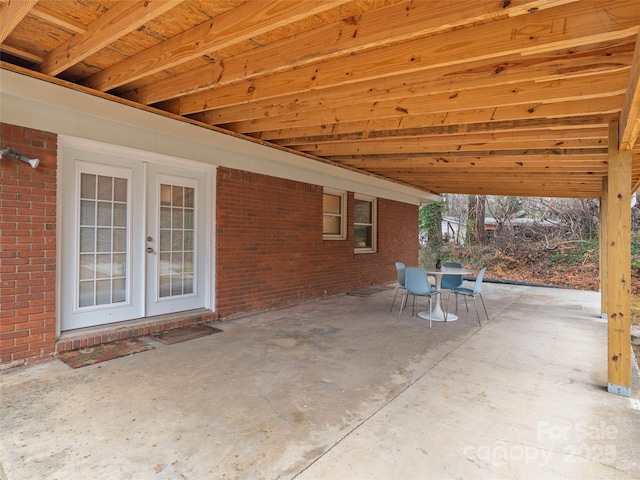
(519,94)
(11,13)
(241,23)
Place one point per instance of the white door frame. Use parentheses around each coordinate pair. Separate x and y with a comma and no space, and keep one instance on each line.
(67,161)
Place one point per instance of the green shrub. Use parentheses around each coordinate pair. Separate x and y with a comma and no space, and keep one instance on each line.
(575,253)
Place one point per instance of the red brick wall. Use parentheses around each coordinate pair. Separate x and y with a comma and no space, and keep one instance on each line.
(270,250)
(27,247)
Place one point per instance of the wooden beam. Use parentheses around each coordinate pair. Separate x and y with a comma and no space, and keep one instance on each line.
(432,166)
(400,22)
(16,52)
(572,108)
(458,140)
(11,14)
(514,101)
(429,144)
(517,187)
(122,18)
(506,70)
(514,126)
(630,116)
(486,41)
(522,94)
(234,26)
(521,190)
(604,250)
(55,18)
(619,266)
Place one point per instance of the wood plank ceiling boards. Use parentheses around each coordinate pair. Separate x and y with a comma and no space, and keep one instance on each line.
(480,97)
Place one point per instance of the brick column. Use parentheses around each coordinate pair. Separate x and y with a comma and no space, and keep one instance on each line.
(27,247)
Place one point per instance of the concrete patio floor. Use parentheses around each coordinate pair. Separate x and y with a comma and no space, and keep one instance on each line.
(339,389)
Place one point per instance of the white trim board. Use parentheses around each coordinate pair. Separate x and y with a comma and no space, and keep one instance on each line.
(34,103)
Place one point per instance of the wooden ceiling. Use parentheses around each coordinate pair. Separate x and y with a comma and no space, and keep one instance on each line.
(501,97)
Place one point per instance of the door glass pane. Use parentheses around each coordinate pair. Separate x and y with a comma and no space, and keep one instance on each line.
(165,217)
(165,194)
(177,196)
(188,240)
(87,239)
(103,292)
(120,215)
(165,285)
(87,261)
(188,219)
(86,294)
(119,290)
(177,249)
(104,213)
(105,188)
(88,186)
(87,212)
(120,190)
(119,240)
(188,197)
(103,239)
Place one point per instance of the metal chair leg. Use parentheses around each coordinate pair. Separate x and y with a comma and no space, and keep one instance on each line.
(446,312)
(403,303)
(477,311)
(485,307)
(394,299)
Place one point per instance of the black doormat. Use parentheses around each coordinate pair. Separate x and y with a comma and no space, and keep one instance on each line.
(185,333)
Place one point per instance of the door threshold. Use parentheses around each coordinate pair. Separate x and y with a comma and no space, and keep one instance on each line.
(142,327)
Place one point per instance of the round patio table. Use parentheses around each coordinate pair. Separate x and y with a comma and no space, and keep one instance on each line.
(437,313)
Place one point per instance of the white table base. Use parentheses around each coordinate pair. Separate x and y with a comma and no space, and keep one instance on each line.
(437,315)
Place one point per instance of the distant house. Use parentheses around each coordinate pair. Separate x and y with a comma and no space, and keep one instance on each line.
(455,231)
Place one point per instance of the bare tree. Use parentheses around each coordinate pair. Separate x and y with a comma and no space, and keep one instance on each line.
(505,210)
(475,222)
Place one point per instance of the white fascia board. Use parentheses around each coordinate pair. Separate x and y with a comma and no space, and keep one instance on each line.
(34,103)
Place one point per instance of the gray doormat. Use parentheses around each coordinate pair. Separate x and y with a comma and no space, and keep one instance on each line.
(370,290)
(185,333)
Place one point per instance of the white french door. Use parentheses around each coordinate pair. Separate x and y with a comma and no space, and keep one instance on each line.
(175,273)
(134,235)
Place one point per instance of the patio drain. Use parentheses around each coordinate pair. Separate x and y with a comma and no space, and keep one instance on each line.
(183,334)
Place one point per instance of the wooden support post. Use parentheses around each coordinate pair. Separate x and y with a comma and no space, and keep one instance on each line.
(619,266)
(604,264)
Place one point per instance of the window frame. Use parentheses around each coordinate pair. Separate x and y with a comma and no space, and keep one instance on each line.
(343,214)
(373,248)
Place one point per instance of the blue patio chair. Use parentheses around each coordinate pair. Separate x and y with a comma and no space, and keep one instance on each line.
(449,282)
(417,284)
(400,270)
(467,292)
